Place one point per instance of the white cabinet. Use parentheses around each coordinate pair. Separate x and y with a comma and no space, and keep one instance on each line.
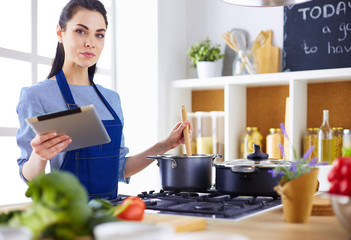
(235,99)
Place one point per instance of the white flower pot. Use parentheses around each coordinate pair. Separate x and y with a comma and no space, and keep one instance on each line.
(208,69)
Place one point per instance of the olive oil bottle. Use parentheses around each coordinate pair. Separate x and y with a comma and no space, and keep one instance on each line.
(325,140)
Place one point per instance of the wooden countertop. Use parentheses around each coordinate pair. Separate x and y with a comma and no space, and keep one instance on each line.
(268,225)
(271,225)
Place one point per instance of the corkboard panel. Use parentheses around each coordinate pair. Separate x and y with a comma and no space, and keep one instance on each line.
(266,105)
(208,100)
(265,108)
(335,97)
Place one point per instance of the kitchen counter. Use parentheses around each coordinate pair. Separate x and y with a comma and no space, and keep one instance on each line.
(271,225)
(267,225)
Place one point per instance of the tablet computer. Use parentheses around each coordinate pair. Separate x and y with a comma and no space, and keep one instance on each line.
(82,124)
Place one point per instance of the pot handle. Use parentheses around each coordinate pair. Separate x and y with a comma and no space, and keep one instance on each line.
(243,169)
(174,162)
(216,156)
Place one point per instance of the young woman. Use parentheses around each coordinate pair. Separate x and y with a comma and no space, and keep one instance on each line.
(80,32)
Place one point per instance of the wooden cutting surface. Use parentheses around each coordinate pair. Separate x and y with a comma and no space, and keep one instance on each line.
(267,57)
(179,223)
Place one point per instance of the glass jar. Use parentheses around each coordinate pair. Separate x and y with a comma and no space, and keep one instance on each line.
(346,141)
(250,137)
(192,119)
(204,139)
(311,139)
(273,139)
(218,133)
(337,136)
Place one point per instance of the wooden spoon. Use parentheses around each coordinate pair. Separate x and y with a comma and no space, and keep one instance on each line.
(186,132)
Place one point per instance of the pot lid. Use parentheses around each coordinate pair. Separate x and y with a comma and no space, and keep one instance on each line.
(269,163)
(178,156)
(255,159)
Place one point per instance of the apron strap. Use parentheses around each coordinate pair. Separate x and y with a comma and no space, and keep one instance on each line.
(66,92)
(103,99)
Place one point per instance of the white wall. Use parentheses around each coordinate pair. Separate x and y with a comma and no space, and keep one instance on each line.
(172,60)
(137,83)
(213,18)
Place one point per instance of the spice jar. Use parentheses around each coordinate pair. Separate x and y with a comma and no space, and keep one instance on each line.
(250,137)
(311,139)
(273,139)
(338,136)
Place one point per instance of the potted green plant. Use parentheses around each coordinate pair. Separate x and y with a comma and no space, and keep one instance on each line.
(203,55)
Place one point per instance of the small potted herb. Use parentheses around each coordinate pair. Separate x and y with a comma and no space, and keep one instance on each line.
(298,184)
(203,55)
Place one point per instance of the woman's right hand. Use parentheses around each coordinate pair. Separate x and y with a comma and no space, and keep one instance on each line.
(48,145)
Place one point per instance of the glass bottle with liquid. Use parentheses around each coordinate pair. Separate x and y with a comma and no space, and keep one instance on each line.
(325,140)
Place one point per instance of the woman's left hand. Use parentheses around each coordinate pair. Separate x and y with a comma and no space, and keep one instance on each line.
(176,136)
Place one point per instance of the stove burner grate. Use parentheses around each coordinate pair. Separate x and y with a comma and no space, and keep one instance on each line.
(211,204)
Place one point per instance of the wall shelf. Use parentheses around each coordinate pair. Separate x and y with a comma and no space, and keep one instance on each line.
(235,99)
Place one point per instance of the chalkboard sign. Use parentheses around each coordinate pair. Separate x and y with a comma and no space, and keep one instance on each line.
(317,35)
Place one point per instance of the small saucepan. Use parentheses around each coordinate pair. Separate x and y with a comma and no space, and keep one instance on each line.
(186,173)
(248,177)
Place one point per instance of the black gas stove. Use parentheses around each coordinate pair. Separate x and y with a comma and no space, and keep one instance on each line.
(209,204)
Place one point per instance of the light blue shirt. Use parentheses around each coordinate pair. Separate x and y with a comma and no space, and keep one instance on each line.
(45,97)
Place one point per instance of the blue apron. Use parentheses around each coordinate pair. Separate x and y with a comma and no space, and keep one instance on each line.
(96,167)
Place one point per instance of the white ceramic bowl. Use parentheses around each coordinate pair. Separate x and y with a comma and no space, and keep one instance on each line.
(210,236)
(342,209)
(132,231)
(15,233)
(324,184)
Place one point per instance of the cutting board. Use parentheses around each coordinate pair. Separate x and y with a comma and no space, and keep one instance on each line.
(179,223)
(267,57)
(322,206)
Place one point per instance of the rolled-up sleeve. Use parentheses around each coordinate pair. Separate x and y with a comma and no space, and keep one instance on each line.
(122,163)
(28,106)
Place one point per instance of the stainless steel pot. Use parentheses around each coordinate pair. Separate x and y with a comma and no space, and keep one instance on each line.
(249,177)
(186,173)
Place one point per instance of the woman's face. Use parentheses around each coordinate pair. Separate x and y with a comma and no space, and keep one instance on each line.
(83,38)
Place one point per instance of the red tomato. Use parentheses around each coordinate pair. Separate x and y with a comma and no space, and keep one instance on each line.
(345,171)
(345,187)
(340,176)
(334,188)
(334,173)
(131,209)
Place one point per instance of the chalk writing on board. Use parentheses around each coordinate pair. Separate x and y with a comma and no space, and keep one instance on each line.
(317,35)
